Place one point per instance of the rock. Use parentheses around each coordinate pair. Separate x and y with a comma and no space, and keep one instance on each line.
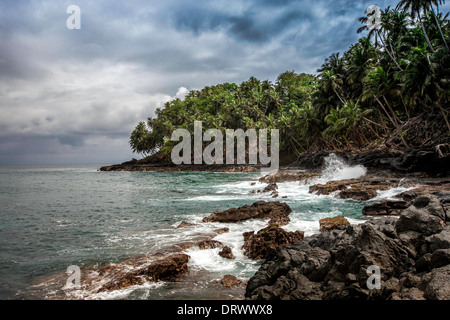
(424,263)
(226,253)
(332,265)
(440,258)
(270,187)
(260,245)
(328,224)
(424,216)
(436,284)
(362,195)
(407,196)
(438,241)
(137,271)
(229,281)
(289,177)
(185,224)
(385,208)
(209,244)
(326,189)
(222,230)
(278,213)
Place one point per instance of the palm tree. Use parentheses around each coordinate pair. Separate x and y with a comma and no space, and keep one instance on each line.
(415,7)
(379,30)
(333,81)
(358,61)
(377,85)
(436,18)
(426,77)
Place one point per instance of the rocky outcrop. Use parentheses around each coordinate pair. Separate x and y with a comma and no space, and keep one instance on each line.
(260,245)
(209,244)
(229,281)
(226,253)
(139,270)
(277,212)
(221,230)
(432,159)
(328,224)
(411,252)
(362,195)
(364,188)
(385,208)
(282,176)
(185,224)
(271,187)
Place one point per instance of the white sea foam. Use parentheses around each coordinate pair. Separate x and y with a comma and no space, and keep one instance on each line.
(337,169)
(390,194)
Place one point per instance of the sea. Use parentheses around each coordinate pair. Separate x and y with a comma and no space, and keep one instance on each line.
(56,216)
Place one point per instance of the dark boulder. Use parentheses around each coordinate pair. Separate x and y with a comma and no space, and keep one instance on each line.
(425,216)
(362,195)
(226,253)
(278,213)
(385,208)
(260,245)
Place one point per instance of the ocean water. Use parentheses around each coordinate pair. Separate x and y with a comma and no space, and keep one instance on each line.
(52,217)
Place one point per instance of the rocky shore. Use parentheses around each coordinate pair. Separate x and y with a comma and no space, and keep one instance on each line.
(430,160)
(408,239)
(412,252)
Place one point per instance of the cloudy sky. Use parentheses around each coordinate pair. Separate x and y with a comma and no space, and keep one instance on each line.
(74,96)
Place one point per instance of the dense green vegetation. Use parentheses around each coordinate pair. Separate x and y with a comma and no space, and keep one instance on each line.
(400,70)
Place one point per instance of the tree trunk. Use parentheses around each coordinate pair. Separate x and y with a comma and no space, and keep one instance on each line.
(439,104)
(335,91)
(389,53)
(439,26)
(425,32)
(392,110)
(385,111)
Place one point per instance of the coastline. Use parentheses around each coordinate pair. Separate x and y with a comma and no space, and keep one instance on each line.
(423,185)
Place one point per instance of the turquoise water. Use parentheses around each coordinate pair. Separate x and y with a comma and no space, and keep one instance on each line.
(52,217)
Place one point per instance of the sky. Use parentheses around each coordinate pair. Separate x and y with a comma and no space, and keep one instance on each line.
(74,95)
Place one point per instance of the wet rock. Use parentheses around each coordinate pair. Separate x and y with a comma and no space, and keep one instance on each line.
(185,224)
(139,270)
(278,212)
(230,281)
(260,245)
(209,244)
(362,195)
(385,208)
(411,252)
(328,224)
(226,253)
(289,177)
(270,187)
(348,251)
(326,189)
(222,230)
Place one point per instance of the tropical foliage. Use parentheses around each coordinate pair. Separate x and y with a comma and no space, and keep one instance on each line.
(399,70)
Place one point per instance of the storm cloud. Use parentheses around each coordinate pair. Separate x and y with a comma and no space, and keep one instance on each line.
(74,96)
